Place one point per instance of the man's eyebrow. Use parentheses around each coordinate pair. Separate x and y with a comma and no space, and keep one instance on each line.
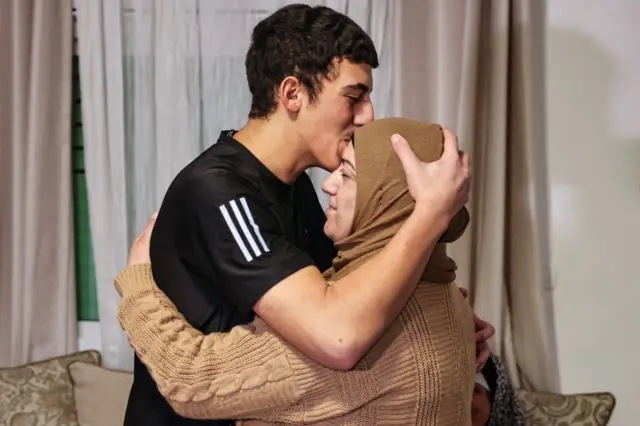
(357,86)
(349,163)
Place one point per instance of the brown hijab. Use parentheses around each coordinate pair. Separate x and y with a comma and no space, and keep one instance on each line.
(383,201)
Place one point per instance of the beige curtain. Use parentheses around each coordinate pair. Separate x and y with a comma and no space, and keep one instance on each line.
(37,289)
(476,66)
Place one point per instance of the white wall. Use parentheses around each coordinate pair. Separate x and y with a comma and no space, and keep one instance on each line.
(89,336)
(593,78)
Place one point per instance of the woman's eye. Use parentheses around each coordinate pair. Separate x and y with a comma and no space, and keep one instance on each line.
(347,176)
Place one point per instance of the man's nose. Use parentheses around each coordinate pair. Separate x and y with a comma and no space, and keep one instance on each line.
(364,114)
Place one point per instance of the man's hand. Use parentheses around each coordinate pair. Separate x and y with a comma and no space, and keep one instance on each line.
(484,331)
(139,252)
(444,184)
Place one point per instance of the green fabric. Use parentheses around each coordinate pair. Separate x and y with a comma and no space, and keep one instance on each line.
(86,290)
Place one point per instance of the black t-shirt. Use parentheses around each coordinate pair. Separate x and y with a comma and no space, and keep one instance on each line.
(228,230)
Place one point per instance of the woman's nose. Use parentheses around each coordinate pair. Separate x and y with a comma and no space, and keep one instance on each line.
(330,184)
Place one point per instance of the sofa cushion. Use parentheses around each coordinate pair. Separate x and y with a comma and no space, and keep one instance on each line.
(543,408)
(101,395)
(39,394)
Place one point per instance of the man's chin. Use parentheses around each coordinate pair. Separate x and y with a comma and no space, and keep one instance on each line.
(331,166)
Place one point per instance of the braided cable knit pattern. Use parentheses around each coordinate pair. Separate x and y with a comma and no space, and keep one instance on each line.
(420,372)
(208,366)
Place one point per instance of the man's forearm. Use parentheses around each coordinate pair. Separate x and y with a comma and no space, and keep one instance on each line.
(365,303)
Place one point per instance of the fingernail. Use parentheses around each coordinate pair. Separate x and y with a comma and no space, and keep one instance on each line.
(395,138)
(154,216)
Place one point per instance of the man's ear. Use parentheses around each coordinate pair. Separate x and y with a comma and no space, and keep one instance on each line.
(290,94)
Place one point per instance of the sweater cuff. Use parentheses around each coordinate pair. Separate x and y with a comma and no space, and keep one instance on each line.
(135,279)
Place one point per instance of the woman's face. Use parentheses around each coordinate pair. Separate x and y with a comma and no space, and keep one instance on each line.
(341,188)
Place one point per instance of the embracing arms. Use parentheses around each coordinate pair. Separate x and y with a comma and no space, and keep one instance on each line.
(336,325)
(249,372)
(333,325)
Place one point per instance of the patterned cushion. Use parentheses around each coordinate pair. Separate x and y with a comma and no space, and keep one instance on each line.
(40,394)
(541,408)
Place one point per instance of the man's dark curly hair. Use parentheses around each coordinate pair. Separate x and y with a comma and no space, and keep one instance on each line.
(302,41)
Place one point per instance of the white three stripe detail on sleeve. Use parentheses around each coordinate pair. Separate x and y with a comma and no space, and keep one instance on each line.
(234,232)
(253,224)
(249,231)
(245,230)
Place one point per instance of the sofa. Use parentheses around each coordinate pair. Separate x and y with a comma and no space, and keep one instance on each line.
(75,390)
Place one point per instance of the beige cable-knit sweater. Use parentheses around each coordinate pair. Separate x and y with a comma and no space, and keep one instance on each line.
(420,373)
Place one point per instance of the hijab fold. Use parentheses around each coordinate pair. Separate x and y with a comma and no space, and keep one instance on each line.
(383,202)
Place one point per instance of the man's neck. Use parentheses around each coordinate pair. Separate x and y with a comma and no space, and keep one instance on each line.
(278,149)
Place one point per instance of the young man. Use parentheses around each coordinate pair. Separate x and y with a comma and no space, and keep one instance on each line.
(241,228)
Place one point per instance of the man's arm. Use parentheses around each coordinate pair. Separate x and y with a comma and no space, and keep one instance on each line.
(335,325)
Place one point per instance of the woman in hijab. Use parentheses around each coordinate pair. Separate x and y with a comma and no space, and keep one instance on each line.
(421,371)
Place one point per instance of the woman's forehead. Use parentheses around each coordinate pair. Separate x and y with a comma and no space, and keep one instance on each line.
(349,155)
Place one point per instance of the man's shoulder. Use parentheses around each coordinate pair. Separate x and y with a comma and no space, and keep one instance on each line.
(220,169)
(209,178)
(212,163)
(212,182)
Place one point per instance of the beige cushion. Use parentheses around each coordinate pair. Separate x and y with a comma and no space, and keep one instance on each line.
(39,394)
(542,408)
(101,395)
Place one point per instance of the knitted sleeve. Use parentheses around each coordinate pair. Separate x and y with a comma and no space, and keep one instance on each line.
(248,372)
